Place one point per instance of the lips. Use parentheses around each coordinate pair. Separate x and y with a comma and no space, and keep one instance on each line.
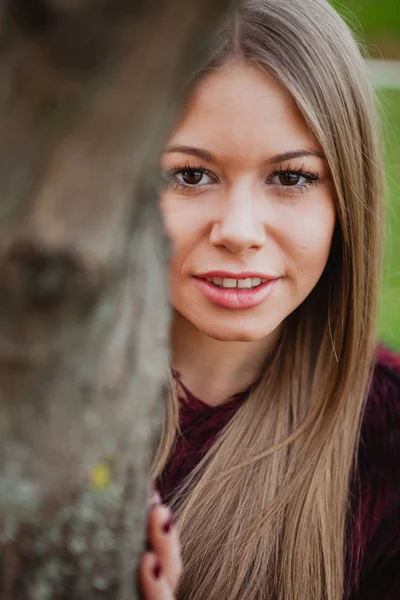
(234,297)
(230,275)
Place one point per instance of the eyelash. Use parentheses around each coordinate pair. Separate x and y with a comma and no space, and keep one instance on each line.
(310,178)
(172,172)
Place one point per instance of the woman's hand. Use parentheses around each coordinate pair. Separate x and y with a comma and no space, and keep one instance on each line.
(160,569)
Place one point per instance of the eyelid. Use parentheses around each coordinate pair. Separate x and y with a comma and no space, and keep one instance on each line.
(311,178)
(170,178)
(175,170)
(197,185)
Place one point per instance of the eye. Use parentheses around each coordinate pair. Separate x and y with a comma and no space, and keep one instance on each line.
(192,177)
(189,179)
(289,178)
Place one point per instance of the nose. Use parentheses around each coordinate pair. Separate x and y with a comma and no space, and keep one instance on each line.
(238,226)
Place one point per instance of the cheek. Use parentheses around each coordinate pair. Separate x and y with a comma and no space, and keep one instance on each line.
(186,227)
(170,218)
(180,237)
(309,239)
(182,220)
(177,231)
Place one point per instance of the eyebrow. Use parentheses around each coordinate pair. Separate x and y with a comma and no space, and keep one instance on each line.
(208,156)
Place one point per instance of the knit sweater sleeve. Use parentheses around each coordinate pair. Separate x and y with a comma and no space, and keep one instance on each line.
(375,546)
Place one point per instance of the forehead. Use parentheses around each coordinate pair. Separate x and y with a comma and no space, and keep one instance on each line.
(239,110)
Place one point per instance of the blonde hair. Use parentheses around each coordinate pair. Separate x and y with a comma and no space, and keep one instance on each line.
(264,515)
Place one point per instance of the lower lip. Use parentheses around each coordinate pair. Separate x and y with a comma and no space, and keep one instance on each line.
(235,297)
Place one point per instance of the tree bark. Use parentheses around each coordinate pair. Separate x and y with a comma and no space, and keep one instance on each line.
(88,92)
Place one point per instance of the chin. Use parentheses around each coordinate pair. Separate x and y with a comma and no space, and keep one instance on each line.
(234,332)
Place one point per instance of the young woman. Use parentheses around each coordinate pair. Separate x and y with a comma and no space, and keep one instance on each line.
(280,457)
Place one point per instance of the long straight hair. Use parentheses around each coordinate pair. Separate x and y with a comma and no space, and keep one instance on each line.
(264,514)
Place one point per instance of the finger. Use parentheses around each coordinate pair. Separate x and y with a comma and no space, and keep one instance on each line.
(165,543)
(152,579)
(153,501)
(155,498)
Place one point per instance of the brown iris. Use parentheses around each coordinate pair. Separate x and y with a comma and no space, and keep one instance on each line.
(191,176)
(289,179)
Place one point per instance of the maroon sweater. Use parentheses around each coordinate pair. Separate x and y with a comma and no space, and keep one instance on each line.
(373,557)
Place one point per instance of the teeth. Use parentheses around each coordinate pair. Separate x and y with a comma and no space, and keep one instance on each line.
(229,283)
(242,284)
(245,283)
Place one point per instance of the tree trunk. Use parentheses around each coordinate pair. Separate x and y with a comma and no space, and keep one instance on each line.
(88,91)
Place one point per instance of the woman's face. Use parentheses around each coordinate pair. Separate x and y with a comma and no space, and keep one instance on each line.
(248,205)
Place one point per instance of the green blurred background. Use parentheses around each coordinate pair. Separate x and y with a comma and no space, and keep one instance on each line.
(377,24)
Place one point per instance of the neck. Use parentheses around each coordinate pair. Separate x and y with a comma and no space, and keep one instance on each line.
(214,370)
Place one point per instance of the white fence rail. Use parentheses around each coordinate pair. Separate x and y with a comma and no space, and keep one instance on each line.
(385,73)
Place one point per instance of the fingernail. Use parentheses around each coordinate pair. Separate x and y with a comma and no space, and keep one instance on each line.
(157,570)
(167,526)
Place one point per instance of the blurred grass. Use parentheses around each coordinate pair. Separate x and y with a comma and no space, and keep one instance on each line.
(390,294)
(376,20)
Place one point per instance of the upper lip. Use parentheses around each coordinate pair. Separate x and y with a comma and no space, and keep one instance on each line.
(228,275)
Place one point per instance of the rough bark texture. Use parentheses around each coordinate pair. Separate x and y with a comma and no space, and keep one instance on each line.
(88,90)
